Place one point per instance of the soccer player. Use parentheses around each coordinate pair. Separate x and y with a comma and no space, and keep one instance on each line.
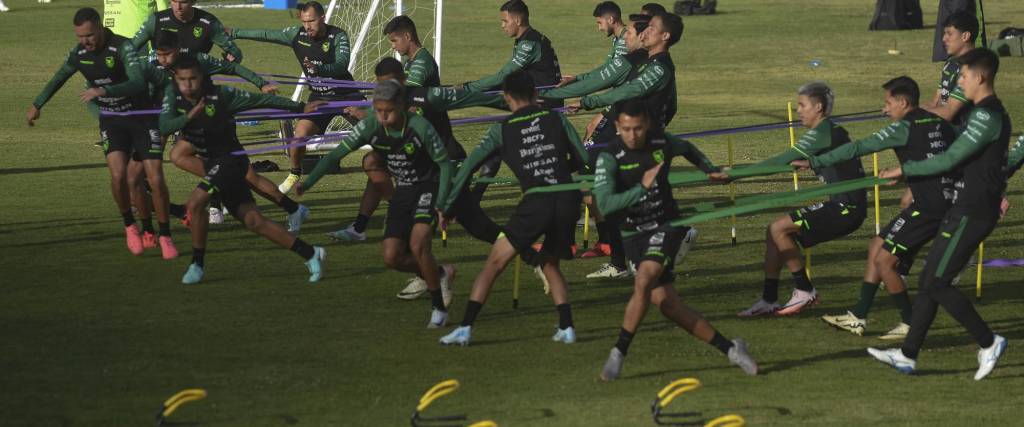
(980,152)
(632,178)
(914,135)
(418,162)
(959,33)
(197,30)
(113,75)
(532,53)
(842,214)
(322,51)
(538,145)
(204,114)
(652,9)
(608,17)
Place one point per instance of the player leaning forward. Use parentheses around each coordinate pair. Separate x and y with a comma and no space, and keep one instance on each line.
(981,153)
(632,178)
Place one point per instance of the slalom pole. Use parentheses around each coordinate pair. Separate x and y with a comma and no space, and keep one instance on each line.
(586,227)
(796,179)
(981,263)
(878,225)
(732,193)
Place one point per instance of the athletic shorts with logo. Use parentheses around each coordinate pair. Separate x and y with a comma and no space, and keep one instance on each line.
(225,176)
(552,215)
(908,232)
(410,205)
(323,120)
(822,222)
(659,245)
(138,137)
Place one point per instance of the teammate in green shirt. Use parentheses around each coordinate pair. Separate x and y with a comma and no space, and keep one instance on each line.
(959,33)
(980,152)
(418,162)
(197,30)
(204,113)
(608,17)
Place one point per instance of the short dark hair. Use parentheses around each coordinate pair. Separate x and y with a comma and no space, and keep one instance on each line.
(165,40)
(640,21)
(86,14)
(389,67)
(652,9)
(187,62)
(404,25)
(518,8)
(319,8)
(904,87)
(673,24)
(634,108)
(983,61)
(964,22)
(608,8)
(519,85)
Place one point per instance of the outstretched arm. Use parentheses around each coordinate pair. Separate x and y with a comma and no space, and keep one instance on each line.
(895,135)
(653,78)
(66,70)
(281,37)
(221,39)
(526,53)
(983,128)
(360,136)
(490,143)
(691,153)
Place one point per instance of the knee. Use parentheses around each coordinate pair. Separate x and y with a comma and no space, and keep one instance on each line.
(390,257)
(253,222)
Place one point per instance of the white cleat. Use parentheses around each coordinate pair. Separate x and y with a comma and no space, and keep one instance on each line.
(898,333)
(798,301)
(987,357)
(688,241)
(4,8)
(608,271)
(567,335)
(438,319)
(760,308)
(347,234)
(460,336)
(613,366)
(739,356)
(894,357)
(295,219)
(543,279)
(446,284)
(216,216)
(847,322)
(415,288)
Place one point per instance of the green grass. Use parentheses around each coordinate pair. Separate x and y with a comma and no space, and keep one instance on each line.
(93,336)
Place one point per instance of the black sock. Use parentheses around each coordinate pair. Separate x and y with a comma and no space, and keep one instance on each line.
(867,296)
(128,218)
(721,343)
(472,309)
(303,249)
(147,225)
(295,171)
(360,223)
(771,290)
(602,232)
(618,255)
(198,255)
(803,283)
(165,228)
(564,315)
(176,210)
(902,301)
(625,339)
(289,205)
(437,300)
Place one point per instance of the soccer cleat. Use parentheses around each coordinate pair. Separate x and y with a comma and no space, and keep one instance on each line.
(216,216)
(347,234)
(295,219)
(438,319)
(193,275)
(599,250)
(847,322)
(543,279)
(739,356)
(288,183)
(760,308)
(987,357)
(613,366)
(460,336)
(446,284)
(894,357)
(898,333)
(4,8)
(608,271)
(415,288)
(798,302)
(567,335)
(315,264)
(688,241)
(167,249)
(133,239)
(148,240)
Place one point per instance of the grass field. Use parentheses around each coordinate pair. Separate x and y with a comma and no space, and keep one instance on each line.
(90,335)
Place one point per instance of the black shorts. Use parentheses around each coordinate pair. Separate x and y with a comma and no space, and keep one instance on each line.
(958,237)
(410,205)
(908,232)
(822,222)
(659,245)
(138,137)
(552,215)
(323,120)
(225,176)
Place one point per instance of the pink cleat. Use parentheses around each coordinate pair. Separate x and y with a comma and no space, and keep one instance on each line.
(133,239)
(148,240)
(799,301)
(167,248)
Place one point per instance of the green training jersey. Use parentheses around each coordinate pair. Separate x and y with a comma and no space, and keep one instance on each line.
(531,52)
(653,82)
(115,67)
(619,50)
(328,54)
(421,70)
(158,77)
(196,35)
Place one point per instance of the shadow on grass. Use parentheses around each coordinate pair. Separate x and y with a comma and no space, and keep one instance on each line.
(785,365)
(44,169)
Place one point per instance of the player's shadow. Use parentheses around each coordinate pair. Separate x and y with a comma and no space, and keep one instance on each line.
(44,169)
(773,367)
(923,372)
